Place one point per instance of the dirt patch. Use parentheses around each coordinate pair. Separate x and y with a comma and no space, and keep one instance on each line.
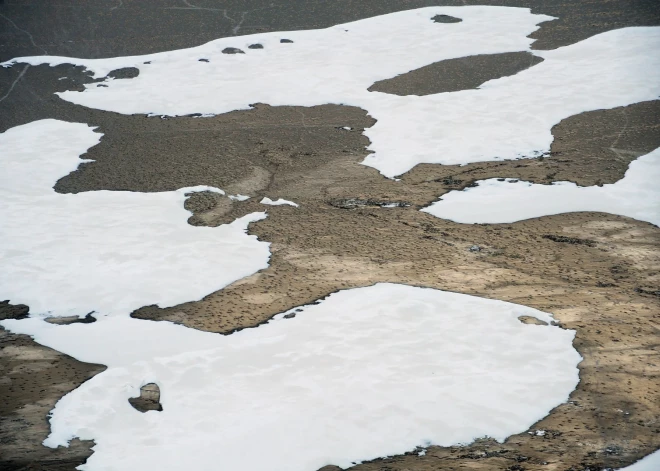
(240,152)
(32,379)
(452,75)
(569,240)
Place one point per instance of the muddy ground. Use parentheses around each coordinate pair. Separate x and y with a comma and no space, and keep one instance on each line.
(598,274)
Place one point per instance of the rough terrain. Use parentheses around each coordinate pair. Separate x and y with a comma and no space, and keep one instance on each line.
(598,274)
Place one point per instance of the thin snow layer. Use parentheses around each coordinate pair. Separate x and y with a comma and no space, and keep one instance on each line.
(365,373)
(506,118)
(636,195)
(278,202)
(105,251)
(648,463)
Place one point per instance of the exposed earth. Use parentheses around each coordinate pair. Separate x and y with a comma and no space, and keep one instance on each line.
(598,274)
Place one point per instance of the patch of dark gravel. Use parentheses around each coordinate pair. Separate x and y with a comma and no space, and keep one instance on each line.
(570,240)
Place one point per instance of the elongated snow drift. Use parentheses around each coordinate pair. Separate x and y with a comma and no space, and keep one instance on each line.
(636,195)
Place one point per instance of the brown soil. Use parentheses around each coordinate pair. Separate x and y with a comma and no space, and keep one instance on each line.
(456,74)
(32,379)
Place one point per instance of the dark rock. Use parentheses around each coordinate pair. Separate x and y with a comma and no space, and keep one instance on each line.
(256,46)
(290,315)
(9,311)
(88,319)
(651,291)
(602,284)
(353,203)
(475,248)
(203,60)
(531,320)
(286,41)
(445,19)
(124,73)
(232,50)
(149,398)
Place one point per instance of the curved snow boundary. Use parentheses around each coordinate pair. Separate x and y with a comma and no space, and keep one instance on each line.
(278,202)
(506,118)
(365,373)
(636,195)
(110,252)
(648,463)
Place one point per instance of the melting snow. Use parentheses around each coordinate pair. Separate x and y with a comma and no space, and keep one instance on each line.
(506,118)
(104,251)
(636,195)
(278,202)
(365,373)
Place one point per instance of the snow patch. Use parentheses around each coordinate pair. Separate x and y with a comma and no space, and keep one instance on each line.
(105,251)
(279,202)
(365,373)
(648,463)
(636,195)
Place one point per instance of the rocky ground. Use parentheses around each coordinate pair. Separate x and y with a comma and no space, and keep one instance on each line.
(598,274)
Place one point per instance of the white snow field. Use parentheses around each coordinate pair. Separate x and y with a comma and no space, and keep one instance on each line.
(105,251)
(648,463)
(506,118)
(366,373)
(636,195)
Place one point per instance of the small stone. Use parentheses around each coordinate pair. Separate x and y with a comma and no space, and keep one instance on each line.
(124,73)
(232,50)
(149,399)
(203,60)
(286,41)
(290,315)
(445,19)
(475,248)
(256,46)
